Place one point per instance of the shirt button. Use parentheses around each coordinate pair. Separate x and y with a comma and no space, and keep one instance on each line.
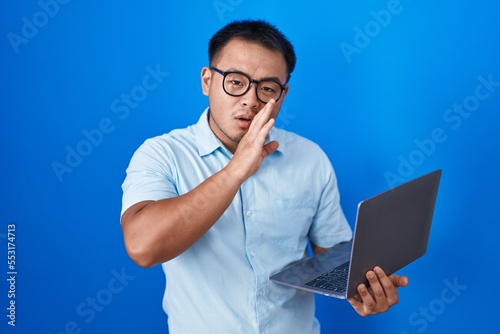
(261,292)
(248,213)
(252,253)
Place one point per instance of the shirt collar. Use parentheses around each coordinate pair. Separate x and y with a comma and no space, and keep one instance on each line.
(207,142)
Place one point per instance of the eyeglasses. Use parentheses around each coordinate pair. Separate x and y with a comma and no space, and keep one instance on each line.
(238,84)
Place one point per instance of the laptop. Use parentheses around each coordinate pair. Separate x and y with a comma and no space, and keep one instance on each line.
(392,230)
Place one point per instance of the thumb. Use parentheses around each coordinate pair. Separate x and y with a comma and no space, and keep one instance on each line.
(270,148)
(399,281)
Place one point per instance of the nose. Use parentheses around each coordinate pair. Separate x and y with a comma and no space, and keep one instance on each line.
(249,99)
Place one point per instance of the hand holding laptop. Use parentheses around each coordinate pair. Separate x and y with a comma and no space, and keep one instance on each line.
(380,296)
(392,230)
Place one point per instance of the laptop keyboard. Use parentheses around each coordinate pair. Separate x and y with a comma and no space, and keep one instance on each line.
(334,280)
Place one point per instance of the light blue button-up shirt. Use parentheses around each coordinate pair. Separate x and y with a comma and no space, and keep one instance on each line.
(221,283)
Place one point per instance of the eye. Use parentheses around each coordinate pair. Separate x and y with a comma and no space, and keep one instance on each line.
(268,89)
(236,82)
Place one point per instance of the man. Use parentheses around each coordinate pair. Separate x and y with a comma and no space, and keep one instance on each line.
(227,202)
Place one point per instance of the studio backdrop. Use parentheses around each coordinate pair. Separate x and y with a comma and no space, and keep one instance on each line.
(390,89)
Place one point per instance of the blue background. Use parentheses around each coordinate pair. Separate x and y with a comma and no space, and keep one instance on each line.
(368,108)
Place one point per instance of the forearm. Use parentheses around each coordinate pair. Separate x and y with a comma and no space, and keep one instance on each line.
(161,230)
(156,232)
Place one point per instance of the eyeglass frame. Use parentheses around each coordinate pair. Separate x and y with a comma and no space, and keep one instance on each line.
(251,81)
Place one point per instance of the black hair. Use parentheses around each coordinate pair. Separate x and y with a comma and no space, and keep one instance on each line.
(258,31)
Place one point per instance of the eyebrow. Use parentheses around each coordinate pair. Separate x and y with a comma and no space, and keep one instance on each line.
(233,69)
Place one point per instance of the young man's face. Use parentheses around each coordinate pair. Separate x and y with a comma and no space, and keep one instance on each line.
(229,115)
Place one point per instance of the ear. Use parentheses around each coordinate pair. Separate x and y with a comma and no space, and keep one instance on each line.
(287,86)
(281,100)
(285,91)
(206,79)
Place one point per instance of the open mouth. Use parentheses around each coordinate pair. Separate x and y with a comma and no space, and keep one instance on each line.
(244,121)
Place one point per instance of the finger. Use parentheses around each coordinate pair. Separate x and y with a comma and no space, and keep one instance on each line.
(389,288)
(384,281)
(357,304)
(260,127)
(399,281)
(269,107)
(263,116)
(270,148)
(259,136)
(367,299)
(375,278)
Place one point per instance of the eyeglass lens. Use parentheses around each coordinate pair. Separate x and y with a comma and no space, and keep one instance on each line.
(237,84)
